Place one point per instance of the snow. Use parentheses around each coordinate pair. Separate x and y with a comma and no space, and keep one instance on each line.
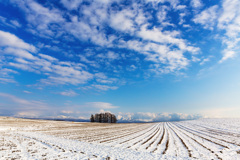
(196,139)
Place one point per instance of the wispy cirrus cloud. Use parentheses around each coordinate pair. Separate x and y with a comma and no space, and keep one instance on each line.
(208,17)
(57,71)
(15,106)
(143,35)
(9,22)
(7,80)
(12,105)
(99,16)
(71,4)
(69,93)
(196,3)
(10,40)
(22,102)
(100,105)
(224,17)
(28,92)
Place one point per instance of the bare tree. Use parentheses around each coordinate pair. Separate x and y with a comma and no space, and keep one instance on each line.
(104,118)
(92,118)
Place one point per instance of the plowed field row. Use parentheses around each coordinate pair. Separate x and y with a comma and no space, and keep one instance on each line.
(164,140)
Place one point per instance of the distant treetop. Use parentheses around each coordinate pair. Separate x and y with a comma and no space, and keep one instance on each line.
(103,118)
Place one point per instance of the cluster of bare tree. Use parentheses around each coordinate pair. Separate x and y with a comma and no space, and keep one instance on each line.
(103,118)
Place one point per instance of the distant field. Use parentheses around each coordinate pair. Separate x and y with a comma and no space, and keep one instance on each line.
(198,139)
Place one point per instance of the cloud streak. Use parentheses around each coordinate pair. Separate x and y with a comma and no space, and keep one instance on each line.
(98,17)
(224,17)
(15,106)
(10,40)
(69,93)
(155,117)
(57,71)
(100,105)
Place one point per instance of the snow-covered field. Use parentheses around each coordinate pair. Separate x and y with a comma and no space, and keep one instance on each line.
(197,139)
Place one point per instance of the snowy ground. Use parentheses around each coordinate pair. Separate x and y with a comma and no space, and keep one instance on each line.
(198,139)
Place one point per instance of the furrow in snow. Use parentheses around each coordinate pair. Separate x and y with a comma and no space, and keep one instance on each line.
(206,144)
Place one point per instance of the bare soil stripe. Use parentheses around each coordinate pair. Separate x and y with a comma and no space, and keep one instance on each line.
(136,136)
(221,132)
(218,138)
(154,134)
(184,144)
(166,146)
(160,130)
(58,147)
(107,136)
(196,140)
(160,141)
(141,139)
(124,135)
(192,131)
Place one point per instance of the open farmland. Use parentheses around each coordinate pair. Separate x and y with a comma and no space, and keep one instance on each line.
(198,139)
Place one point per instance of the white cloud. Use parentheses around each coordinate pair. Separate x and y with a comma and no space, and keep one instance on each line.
(101,75)
(181,17)
(41,19)
(107,57)
(69,93)
(174,3)
(19,107)
(7,80)
(28,92)
(24,104)
(131,20)
(181,7)
(15,23)
(140,19)
(112,55)
(165,60)
(167,37)
(100,105)
(49,22)
(162,14)
(132,68)
(123,21)
(5,74)
(10,40)
(47,57)
(88,32)
(28,114)
(208,17)
(225,18)
(196,3)
(227,54)
(160,46)
(57,71)
(67,75)
(10,23)
(67,111)
(71,4)
(104,87)
(154,117)
(206,60)
(90,62)
(102,78)
(230,22)
(230,13)
(19,53)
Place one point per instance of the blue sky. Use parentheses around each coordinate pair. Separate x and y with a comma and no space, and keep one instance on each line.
(142,60)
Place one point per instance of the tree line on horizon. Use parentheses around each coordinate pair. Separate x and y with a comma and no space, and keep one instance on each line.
(103,118)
